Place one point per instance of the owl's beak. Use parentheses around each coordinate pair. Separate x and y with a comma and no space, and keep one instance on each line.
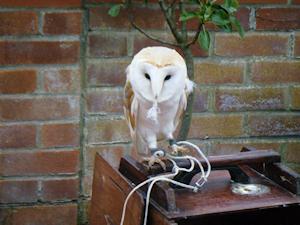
(156,84)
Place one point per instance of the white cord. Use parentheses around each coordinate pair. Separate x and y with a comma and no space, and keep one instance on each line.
(139,186)
(163,178)
(205,159)
(192,159)
(167,177)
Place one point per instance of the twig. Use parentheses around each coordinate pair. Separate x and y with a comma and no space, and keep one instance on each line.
(196,36)
(183,23)
(172,4)
(135,26)
(168,16)
(142,31)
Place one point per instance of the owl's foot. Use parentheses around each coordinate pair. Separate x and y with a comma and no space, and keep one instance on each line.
(157,157)
(178,150)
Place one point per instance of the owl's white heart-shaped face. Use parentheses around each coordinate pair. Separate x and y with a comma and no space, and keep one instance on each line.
(157,74)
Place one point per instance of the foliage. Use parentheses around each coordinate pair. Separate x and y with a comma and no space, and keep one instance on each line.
(221,15)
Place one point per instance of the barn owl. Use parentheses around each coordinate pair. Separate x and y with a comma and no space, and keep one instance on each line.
(155,97)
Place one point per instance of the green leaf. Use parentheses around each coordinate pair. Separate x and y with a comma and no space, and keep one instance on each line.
(219,20)
(187,16)
(194,2)
(234,4)
(230,5)
(238,26)
(207,13)
(227,28)
(115,10)
(204,39)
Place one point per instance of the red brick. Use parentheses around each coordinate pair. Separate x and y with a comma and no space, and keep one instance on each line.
(61,80)
(107,130)
(197,51)
(295,94)
(216,126)
(296,2)
(219,73)
(33,52)
(251,44)
(104,45)
(18,191)
(292,153)
(110,73)
(60,135)
(297,45)
(17,81)
(62,23)
(277,19)
(276,72)
(243,15)
(99,18)
(105,100)
(39,163)
(274,125)
(200,101)
(43,214)
(38,3)
(62,189)
(233,148)
(17,136)
(45,108)
(143,17)
(140,41)
(18,23)
(249,99)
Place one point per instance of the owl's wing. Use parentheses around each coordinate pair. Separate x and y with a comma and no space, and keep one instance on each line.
(189,86)
(130,108)
(180,110)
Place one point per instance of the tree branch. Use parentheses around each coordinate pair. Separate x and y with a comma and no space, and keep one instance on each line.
(196,36)
(183,23)
(142,31)
(171,23)
(172,4)
(135,26)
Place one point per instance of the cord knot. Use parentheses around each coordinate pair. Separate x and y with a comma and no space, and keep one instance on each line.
(153,112)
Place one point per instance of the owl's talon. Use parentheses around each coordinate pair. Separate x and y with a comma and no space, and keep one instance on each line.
(154,159)
(178,150)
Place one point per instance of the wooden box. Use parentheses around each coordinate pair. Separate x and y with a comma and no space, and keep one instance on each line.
(214,204)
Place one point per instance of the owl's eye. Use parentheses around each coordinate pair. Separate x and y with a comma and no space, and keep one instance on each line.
(147,76)
(168,77)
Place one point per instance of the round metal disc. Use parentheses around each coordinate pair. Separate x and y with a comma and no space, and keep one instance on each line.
(249,189)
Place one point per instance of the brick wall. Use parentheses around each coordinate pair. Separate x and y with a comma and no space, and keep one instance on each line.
(61,75)
(40,79)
